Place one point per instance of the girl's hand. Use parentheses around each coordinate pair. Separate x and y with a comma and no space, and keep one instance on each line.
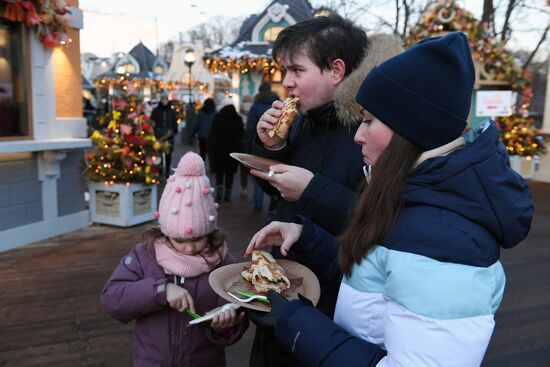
(179,298)
(275,234)
(223,321)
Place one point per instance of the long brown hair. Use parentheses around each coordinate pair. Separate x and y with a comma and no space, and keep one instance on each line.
(379,203)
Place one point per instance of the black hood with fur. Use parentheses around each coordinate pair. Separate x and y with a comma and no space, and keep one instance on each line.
(381,47)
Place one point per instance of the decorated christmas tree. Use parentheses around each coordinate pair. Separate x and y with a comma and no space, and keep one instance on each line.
(518,131)
(125,150)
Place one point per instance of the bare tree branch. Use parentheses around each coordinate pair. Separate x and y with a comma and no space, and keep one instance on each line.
(382,21)
(397,11)
(488,15)
(532,55)
(536,8)
(506,30)
(350,9)
(407,9)
(213,33)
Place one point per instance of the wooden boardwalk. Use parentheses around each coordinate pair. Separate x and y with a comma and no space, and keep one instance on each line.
(50,313)
(49,305)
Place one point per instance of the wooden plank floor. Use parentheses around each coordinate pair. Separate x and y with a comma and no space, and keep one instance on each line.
(49,305)
(50,313)
(522,334)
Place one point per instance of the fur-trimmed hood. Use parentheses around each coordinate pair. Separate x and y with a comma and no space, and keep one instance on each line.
(381,47)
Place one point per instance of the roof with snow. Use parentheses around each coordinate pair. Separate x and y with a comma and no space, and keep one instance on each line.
(248,42)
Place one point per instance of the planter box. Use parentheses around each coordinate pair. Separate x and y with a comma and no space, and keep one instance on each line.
(523,166)
(122,205)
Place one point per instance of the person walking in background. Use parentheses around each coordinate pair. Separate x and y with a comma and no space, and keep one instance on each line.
(89,113)
(147,108)
(262,102)
(165,127)
(245,148)
(165,278)
(225,137)
(203,124)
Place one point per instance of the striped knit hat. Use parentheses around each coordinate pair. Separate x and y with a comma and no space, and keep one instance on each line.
(187,209)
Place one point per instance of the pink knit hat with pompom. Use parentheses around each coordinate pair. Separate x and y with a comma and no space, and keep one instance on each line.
(187,209)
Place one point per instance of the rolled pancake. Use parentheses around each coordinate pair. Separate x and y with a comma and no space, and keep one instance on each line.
(283,124)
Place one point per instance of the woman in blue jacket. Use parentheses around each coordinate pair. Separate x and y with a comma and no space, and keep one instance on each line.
(422,277)
(203,124)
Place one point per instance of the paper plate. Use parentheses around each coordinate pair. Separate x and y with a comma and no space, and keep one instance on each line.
(228,278)
(254,161)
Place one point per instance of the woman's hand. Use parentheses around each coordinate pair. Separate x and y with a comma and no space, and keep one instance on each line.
(225,320)
(179,298)
(275,234)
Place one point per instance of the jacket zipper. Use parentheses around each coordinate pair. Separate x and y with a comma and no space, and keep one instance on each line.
(175,338)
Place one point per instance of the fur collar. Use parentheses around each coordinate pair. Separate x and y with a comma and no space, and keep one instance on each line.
(380,48)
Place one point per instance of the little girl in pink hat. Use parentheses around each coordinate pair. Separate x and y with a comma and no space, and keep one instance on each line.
(165,278)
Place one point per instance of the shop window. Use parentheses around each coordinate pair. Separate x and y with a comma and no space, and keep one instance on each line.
(14,85)
(271,34)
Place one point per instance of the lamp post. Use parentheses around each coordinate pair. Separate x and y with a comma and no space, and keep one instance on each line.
(189,60)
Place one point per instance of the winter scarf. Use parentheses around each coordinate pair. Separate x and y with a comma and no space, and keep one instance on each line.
(187,266)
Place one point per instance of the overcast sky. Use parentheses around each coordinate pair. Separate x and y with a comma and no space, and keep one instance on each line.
(111,26)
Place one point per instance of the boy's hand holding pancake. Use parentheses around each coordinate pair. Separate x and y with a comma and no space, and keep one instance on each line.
(275,123)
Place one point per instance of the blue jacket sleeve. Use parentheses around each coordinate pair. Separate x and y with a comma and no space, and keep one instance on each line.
(315,340)
(317,249)
(328,203)
(251,122)
(279,155)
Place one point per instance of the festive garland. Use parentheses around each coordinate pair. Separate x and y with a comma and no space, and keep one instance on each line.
(46,17)
(242,64)
(445,16)
(128,83)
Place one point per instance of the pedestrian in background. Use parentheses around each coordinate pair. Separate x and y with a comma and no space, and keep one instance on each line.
(262,102)
(203,124)
(225,137)
(243,111)
(165,127)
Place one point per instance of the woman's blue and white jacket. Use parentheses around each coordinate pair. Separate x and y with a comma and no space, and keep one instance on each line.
(426,296)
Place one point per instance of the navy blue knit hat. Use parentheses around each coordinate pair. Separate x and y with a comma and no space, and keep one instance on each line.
(424,93)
